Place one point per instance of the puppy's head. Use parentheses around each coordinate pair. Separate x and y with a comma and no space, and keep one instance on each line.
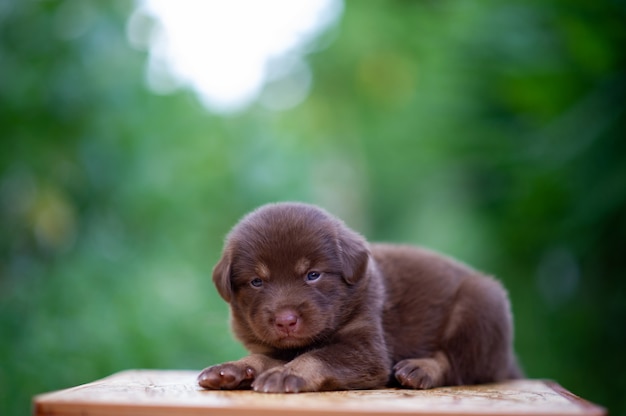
(291,274)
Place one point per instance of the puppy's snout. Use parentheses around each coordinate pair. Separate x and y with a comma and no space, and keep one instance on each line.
(287,321)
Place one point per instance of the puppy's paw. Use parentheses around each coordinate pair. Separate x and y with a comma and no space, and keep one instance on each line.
(279,380)
(419,373)
(227,376)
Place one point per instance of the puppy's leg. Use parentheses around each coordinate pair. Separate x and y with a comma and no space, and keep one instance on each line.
(236,374)
(475,346)
(305,373)
(478,337)
(348,364)
(423,373)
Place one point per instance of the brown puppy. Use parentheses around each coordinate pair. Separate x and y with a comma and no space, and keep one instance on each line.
(320,309)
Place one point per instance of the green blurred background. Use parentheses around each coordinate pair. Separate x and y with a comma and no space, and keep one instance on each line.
(490,130)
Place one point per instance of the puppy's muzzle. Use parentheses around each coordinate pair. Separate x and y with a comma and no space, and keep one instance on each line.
(287,321)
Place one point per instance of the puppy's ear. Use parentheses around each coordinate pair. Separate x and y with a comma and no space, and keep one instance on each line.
(354,255)
(221,277)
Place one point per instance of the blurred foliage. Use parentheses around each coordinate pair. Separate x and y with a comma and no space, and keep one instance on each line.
(493,131)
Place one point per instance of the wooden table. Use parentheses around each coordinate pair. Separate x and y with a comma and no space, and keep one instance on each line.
(152,392)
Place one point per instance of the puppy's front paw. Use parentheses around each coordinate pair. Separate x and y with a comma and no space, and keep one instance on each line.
(418,373)
(227,376)
(279,380)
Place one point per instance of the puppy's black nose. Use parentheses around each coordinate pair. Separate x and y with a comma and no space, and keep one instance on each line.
(286,320)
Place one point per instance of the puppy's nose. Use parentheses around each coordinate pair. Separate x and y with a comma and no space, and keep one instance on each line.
(286,320)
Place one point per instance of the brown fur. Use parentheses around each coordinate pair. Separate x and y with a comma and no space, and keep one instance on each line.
(376,315)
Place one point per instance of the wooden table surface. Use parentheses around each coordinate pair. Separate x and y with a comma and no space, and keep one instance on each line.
(156,392)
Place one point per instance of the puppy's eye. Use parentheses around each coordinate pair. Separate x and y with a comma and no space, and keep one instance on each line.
(312,276)
(256,282)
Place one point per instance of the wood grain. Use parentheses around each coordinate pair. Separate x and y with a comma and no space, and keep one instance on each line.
(154,392)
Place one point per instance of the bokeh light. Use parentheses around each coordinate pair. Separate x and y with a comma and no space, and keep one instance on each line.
(228,50)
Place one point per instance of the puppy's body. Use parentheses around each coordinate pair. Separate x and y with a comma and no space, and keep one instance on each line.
(320,309)
(438,308)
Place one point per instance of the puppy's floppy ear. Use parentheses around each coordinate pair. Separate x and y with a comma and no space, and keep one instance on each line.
(221,276)
(354,254)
